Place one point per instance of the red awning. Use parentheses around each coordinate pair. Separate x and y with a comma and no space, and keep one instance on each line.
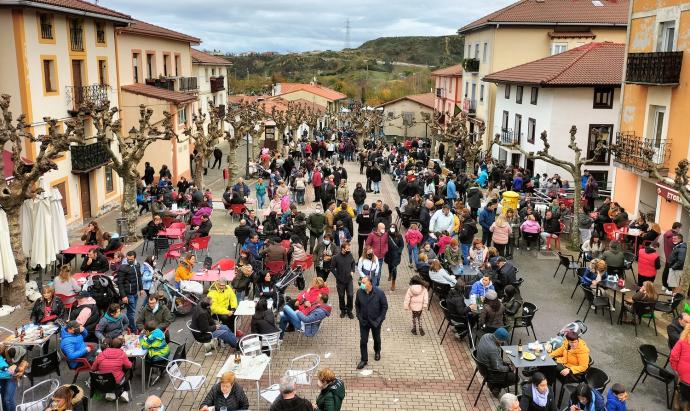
(8,166)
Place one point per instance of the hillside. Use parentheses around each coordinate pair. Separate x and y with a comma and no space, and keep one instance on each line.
(377,71)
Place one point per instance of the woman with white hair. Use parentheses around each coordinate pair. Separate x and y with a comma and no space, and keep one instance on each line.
(509,402)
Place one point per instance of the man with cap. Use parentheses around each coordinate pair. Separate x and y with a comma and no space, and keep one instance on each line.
(489,353)
(223,301)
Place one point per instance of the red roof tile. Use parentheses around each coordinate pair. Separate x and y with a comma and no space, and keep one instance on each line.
(451,71)
(159,93)
(426,99)
(322,91)
(594,64)
(148,29)
(82,6)
(200,57)
(613,12)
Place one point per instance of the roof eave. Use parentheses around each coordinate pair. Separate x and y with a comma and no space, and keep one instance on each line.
(193,41)
(482,26)
(544,84)
(66,10)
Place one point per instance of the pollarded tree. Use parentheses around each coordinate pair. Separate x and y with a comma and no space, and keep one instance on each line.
(23,185)
(295,119)
(127,151)
(311,119)
(243,117)
(281,118)
(204,140)
(574,167)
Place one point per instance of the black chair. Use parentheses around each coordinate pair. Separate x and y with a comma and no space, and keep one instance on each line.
(488,377)
(628,260)
(640,309)
(441,290)
(684,390)
(572,380)
(160,244)
(597,302)
(449,320)
(568,262)
(106,384)
(525,321)
(650,368)
(44,365)
(597,379)
(671,306)
(580,273)
(179,354)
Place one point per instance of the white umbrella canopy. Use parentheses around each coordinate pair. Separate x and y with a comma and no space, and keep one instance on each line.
(8,267)
(58,219)
(43,249)
(26,222)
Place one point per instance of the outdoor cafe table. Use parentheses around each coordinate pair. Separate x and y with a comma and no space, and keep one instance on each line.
(613,286)
(213,275)
(633,232)
(32,336)
(244,308)
(180,212)
(542,360)
(132,348)
(171,233)
(250,368)
(78,249)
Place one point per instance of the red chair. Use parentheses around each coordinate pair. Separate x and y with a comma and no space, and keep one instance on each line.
(275,267)
(306,264)
(237,210)
(557,240)
(111,254)
(82,363)
(199,243)
(610,230)
(174,252)
(68,305)
(167,221)
(224,264)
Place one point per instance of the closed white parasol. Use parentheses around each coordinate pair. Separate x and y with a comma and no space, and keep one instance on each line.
(58,218)
(8,267)
(43,248)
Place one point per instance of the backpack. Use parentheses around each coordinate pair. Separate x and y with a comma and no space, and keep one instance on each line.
(103,291)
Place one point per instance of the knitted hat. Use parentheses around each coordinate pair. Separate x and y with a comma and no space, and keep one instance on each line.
(571,336)
(491,295)
(501,334)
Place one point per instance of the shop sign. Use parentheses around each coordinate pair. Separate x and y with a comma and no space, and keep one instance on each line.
(668,193)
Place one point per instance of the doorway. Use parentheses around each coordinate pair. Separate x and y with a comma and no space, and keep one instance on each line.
(85,192)
(529,165)
(77,82)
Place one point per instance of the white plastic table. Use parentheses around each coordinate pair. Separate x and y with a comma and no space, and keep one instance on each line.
(251,368)
(244,308)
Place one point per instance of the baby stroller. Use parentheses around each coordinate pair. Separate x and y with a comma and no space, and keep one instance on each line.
(291,275)
(179,301)
(102,289)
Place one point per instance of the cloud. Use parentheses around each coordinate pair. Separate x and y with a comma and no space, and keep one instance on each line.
(302,25)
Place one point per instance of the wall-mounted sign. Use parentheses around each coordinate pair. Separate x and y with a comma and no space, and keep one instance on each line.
(668,193)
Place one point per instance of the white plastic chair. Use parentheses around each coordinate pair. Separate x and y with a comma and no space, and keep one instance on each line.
(271,342)
(302,368)
(251,345)
(201,344)
(42,403)
(181,381)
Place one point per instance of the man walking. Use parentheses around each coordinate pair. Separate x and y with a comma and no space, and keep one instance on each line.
(668,247)
(316,223)
(343,269)
(217,157)
(129,285)
(371,306)
(378,240)
(486,218)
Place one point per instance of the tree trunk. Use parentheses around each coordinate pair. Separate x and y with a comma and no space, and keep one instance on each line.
(232,162)
(575,229)
(130,210)
(685,277)
(199,171)
(360,141)
(279,139)
(17,293)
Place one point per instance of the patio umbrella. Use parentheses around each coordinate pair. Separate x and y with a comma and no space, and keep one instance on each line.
(8,267)
(43,249)
(59,224)
(26,222)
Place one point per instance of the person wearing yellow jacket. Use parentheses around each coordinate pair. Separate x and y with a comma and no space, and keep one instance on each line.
(183,272)
(223,301)
(572,359)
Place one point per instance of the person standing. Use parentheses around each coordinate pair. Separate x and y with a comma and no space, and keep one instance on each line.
(260,188)
(668,247)
(316,222)
(129,285)
(371,306)
(149,173)
(217,157)
(343,269)
(396,245)
(378,240)
(676,262)
(486,219)
(316,181)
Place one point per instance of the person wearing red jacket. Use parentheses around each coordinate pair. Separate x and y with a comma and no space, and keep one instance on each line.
(307,300)
(680,356)
(378,240)
(648,262)
(114,360)
(316,181)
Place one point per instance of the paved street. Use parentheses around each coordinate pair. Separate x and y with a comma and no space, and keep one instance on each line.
(416,372)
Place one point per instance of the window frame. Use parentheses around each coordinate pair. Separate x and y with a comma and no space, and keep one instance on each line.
(180,114)
(531,129)
(102,80)
(518,94)
(663,41)
(485,52)
(53,79)
(150,65)
(108,170)
(481,93)
(601,91)
(51,23)
(517,131)
(506,93)
(591,147)
(534,96)
(558,45)
(103,43)
(136,63)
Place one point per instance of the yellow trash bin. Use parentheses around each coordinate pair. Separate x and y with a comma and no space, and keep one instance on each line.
(511,199)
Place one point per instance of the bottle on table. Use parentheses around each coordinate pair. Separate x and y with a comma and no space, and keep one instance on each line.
(519,347)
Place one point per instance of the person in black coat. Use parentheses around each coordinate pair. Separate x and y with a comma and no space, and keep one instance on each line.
(128,280)
(537,395)
(425,217)
(153,228)
(94,261)
(226,394)
(149,173)
(39,313)
(396,244)
(263,321)
(675,328)
(371,306)
(343,268)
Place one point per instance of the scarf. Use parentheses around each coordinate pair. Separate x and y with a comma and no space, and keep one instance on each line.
(539,398)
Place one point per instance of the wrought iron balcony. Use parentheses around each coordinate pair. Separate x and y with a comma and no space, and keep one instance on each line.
(440,92)
(217,84)
(469,105)
(181,84)
(509,137)
(87,157)
(640,153)
(660,68)
(187,84)
(76,38)
(471,65)
(93,96)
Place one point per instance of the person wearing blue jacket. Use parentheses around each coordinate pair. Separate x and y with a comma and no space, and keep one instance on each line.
(311,320)
(617,398)
(586,398)
(451,190)
(482,178)
(8,385)
(480,288)
(486,219)
(72,344)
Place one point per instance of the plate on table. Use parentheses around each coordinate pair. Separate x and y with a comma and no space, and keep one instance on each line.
(528,356)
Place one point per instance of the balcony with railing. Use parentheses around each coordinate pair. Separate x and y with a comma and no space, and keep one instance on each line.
(76,37)
(93,96)
(46,31)
(440,92)
(469,105)
(509,137)
(221,110)
(637,153)
(471,65)
(217,84)
(187,84)
(181,84)
(660,68)
(87,157)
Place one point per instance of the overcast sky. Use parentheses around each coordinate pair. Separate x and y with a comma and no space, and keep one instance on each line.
(302,25)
